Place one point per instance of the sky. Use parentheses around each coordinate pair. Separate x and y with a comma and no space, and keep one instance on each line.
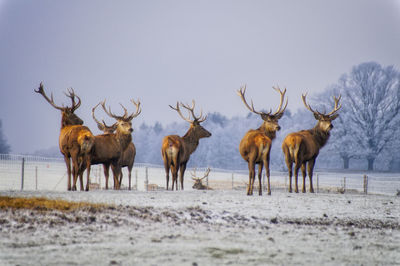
(166,51)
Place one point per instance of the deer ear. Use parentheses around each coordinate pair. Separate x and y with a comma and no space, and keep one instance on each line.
(317,116)
(333,117)
(264,117)
(101,127)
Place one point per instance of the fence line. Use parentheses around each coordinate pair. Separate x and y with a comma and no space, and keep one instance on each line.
(42,173)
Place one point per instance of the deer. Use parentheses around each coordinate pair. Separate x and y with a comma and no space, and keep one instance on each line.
(75,140)
(176,150)
(255,146)
(128,156)
(108,148)
(302,147)
(198,181)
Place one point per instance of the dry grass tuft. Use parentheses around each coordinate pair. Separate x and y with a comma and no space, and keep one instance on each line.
(43,204)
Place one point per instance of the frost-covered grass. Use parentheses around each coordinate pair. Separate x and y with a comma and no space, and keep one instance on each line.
(202,227)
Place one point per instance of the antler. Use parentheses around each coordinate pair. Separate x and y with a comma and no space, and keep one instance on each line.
(241,93)
(71,94)
(50,100)
(102,125)
(279,111)
(198,119)
(335,109)
(198,178)
(138,109)
(125,117)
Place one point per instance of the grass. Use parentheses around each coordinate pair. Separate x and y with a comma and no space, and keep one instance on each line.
(43,204)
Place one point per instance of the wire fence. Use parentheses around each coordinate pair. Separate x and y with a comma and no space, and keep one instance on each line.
(25,172)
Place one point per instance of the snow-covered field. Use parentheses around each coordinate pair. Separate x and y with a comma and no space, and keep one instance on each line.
(217,227)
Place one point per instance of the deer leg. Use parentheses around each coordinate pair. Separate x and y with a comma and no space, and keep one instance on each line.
(116,169)
(267,173)
(289,165)
(251,177)
(166,166)
(182,173)
(120,177)
(174,172)
(106,168)
(296,174)
(68,163)
(75,169)
(88,163)
(81,169)
(310,165)
(304,173)
(260,167)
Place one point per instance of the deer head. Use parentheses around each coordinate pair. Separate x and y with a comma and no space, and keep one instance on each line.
(324,120)
(270,119)
(123,124)
(68,116)
(197,181)
(195,126)
(102,125)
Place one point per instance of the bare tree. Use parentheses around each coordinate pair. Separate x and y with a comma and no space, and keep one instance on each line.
(371,95)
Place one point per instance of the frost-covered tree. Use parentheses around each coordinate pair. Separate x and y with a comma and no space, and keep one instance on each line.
(4,147)
(371,96)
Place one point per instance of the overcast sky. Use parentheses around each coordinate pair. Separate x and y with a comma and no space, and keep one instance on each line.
(165,51)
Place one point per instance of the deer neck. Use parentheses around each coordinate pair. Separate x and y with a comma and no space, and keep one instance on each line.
(320,136)
(123,139)
(191,141)
(270,133)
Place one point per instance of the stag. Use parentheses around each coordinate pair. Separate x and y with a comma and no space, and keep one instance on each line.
(303,147)
(109,147)
(255,146)
(176,150)
(198,181)
(75,141)
(128,156)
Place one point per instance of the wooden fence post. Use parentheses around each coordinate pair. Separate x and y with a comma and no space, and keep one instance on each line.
(22,173)
(365,184)
(317,183)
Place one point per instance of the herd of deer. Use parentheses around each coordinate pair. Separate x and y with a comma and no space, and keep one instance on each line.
(115,147)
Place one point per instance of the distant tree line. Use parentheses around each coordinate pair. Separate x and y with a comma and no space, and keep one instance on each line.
(4,147)
(365,136)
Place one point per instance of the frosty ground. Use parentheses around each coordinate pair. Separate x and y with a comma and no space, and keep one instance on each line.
(204,228)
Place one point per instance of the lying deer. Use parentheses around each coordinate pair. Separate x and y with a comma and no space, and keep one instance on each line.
(128,155)
(75,141)
(303,147)
(198,181)
(255,146)
(176,150)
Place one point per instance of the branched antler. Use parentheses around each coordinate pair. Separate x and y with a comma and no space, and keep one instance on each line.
(102,125)
(335,108)
(279,111)
(124,117)
(197,119)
